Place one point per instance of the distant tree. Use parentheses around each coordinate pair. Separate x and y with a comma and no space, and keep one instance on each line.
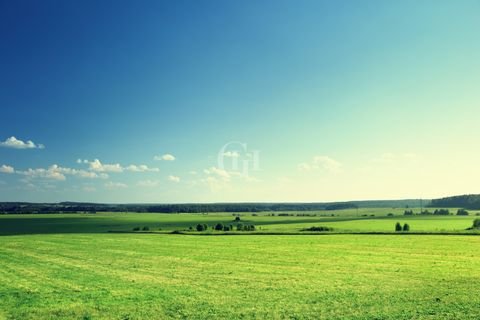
(476,224)
(226,228)
(136,229)
(441,212)
(462,212)
(237,219)
(406,227)
(219,227)
(200,227)
(398,227)
(239,227)
(146,228)
(390,215)
(408,213)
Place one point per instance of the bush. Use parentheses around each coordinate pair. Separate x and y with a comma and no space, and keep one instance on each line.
(476,224)
(136,229)
(390,215)
(321,228)
(200,227)
(442,212)
(398,227)
(462,212)
(408,213)
(146,228)
(406,227)
(226,228)
(219,227)
(237,219)
(239,227)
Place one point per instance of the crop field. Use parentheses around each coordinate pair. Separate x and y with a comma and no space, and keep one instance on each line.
(69,266)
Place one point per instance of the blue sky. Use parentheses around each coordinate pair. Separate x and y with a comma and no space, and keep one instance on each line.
(314,100)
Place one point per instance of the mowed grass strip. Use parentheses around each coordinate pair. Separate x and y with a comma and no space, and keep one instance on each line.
(130,276)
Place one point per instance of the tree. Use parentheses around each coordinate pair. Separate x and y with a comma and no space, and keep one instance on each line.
(408,213)
(406,227)
(237,219)
(219,227)
(226,228)
(239,227)
(200,227)
(476,224)
(462,212)
(398,227)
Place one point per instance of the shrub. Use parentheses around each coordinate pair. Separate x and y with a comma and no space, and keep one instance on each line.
(200,227)
(136,229)
(237,219)
(226,228)
(146,228)
(476,224)
(390,215)
(462,212)
(406,227)
(408,213)
(239,227)
(398,227)
(219,227)
(321,228)
(441,212)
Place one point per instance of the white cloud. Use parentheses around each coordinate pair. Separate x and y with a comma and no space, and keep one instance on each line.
(115,185)
(174,178)
(165,157)
(141,168)
(323,163)
(15,143)
(193,172)
(56,172)
(96,165)
(6,169)
(148,183)
(218,172)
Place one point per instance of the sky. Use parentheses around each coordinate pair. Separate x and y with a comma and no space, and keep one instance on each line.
(238,101)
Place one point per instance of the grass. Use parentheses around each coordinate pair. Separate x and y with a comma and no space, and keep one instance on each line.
(68,266)
(343,220)
(138,276)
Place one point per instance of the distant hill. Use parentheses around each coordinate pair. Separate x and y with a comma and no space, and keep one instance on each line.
(468,201)
(71,207)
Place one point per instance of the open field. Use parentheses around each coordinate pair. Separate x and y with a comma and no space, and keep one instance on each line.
(69,266)
(363,220)
(139,276)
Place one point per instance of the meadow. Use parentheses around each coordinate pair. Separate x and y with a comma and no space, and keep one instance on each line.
(68,266)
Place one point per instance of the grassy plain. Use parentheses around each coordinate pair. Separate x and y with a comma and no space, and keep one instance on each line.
(67,266)
(148,276)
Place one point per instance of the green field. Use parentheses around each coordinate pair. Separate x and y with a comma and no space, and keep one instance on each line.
(363,220)
(69,266)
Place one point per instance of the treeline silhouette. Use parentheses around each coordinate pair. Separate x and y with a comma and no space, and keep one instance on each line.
(74,207)
(468,201)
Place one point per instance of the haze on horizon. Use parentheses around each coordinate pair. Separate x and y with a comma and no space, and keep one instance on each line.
(212,101)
